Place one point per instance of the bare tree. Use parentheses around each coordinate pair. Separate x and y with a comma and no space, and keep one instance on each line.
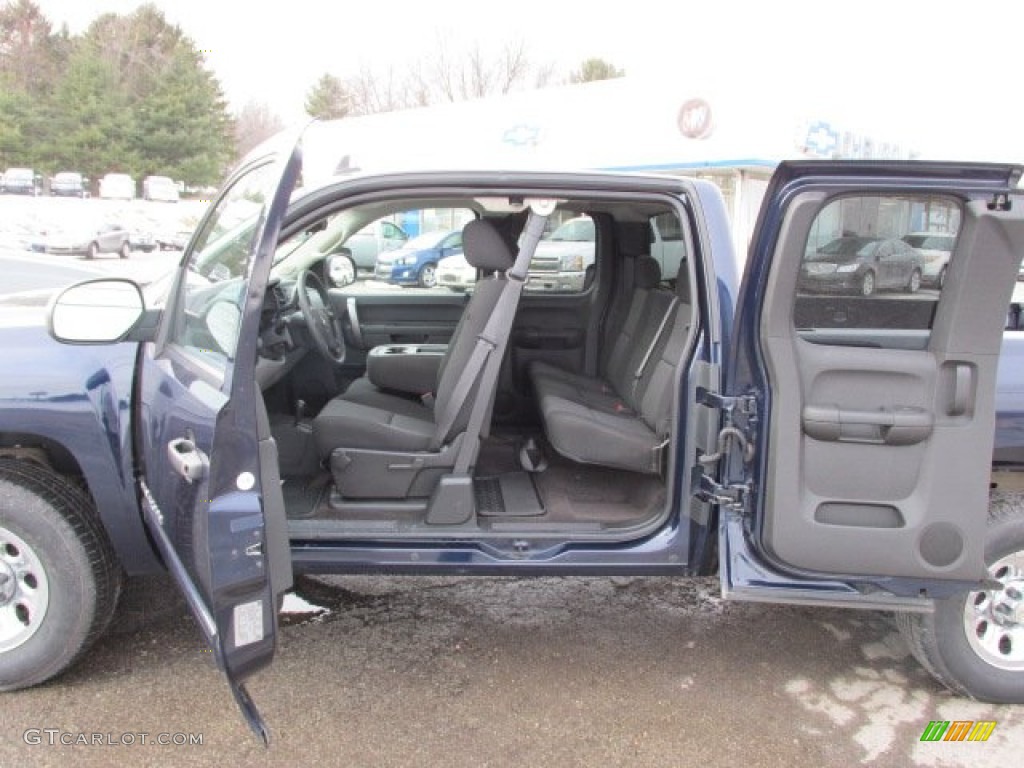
(372,92)
(254,123)
(476,74)
(447,75)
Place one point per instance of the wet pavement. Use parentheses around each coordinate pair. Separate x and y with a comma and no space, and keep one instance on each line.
(402,671)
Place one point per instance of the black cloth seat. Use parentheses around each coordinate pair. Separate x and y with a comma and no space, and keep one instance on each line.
(367,418)
(622,420)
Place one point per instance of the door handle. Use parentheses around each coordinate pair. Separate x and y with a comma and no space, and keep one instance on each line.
(963,384)
(186,459)
(887,426)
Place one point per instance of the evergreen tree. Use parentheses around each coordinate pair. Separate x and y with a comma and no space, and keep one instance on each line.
(93,122)
(328,99)
(183,127)
(595,69)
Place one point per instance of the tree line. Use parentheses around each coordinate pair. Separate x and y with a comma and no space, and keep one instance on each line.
(132,94)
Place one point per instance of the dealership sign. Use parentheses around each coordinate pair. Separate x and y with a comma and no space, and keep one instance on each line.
(818,138)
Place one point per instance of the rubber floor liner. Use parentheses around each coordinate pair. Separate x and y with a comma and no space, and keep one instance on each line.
(302,495)
(509,495)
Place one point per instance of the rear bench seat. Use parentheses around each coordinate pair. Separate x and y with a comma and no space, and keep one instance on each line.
(622,418)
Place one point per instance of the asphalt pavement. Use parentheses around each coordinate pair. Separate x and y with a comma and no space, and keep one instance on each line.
(471,671)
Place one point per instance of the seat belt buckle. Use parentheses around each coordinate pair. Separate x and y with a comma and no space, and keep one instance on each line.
(427,398)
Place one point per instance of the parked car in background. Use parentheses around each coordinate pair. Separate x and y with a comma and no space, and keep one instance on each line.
(160,188)
(112,237)
(562,257)
(564,260)
(373,240)
(69,184)
(415,263)
(117,186)
(935,248)
(142,240)
(173,241)
(21,181)
(455,273)
(864,265)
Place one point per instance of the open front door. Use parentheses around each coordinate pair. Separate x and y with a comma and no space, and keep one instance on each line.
(873,366)
(210,489)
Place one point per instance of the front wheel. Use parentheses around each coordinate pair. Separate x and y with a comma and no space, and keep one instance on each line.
(428,275)
(59,579)
(974,641)
(92,251)
(126,250)
(867,284)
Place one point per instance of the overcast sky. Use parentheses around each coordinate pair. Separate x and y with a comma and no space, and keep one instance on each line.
(946,77)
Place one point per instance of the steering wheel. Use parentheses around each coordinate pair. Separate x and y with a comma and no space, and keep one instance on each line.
(323,324)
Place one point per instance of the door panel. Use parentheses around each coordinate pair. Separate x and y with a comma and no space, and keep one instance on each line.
(552,329)
(399,319)
(211,490)
(879,425)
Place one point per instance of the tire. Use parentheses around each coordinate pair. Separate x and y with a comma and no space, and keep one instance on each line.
(868,284)
(92,251)
(427,277)
(964,644)
(914,283)
(126,250)
(942,278)
(68,579)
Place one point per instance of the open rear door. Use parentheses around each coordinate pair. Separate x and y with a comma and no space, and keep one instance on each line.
(210,489)
(873,378)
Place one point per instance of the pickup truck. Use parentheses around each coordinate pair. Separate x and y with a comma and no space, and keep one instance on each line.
(564,261)
(239,422)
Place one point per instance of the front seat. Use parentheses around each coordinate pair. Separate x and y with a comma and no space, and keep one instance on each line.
(382,445)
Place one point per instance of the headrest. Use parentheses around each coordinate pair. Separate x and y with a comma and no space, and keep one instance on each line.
(485,248)
(683,282)
(647,273)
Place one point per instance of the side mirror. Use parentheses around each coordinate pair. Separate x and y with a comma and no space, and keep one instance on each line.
(341,268)
(95,312)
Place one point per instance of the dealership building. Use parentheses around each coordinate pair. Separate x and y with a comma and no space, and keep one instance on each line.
(625,124)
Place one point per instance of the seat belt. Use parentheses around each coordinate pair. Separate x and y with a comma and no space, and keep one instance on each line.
(639,372)
(489,350)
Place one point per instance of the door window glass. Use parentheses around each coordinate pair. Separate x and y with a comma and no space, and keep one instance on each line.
(873,270)
(215,278)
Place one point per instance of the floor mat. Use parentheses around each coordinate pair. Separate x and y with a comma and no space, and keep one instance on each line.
(302,495)
(510,495)
(574,492)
